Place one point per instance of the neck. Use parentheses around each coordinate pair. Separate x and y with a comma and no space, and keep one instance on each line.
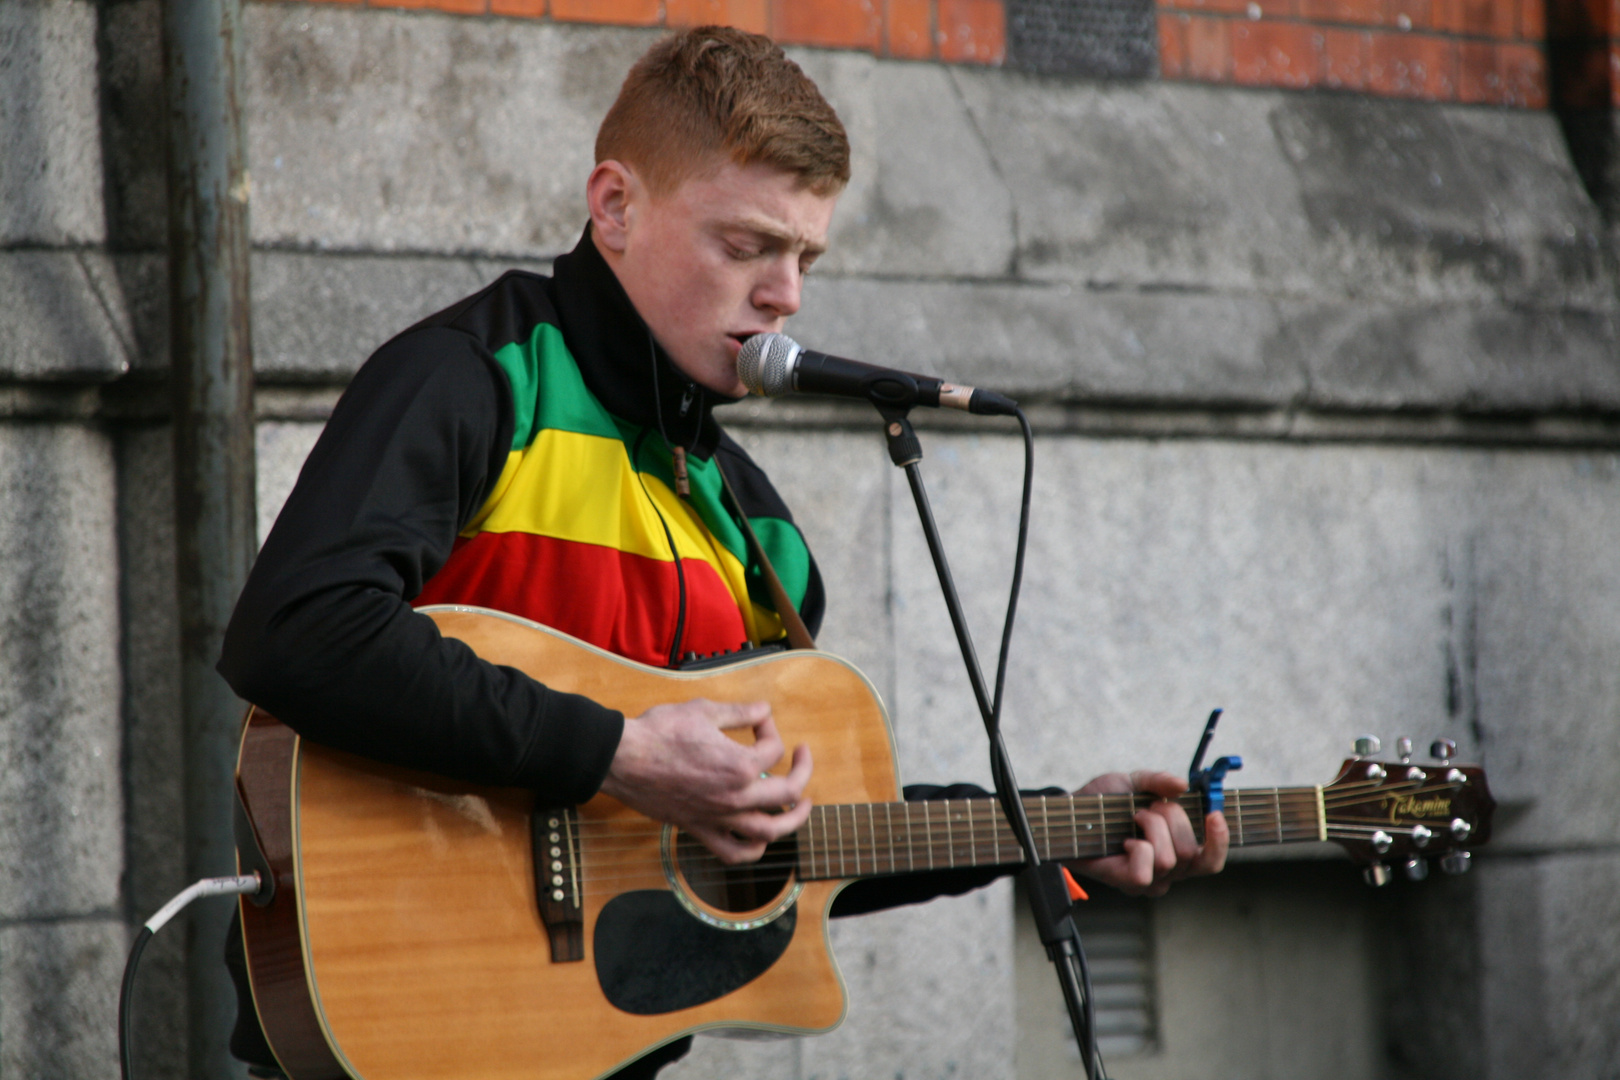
(868,839)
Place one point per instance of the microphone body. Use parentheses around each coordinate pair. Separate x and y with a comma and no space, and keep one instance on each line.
(774,364)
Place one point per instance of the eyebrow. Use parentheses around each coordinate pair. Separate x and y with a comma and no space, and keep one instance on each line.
(764,227)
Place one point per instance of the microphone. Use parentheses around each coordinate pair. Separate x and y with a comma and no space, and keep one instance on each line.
(771,365)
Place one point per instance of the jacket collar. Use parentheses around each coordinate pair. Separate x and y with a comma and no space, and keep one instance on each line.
(630,373)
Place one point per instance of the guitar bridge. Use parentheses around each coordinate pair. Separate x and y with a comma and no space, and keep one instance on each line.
(554,836)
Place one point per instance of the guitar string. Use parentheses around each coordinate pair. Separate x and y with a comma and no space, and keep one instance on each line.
(978,813)
(981,852)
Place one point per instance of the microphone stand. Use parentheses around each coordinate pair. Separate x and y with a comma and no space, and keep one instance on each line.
(1044,882)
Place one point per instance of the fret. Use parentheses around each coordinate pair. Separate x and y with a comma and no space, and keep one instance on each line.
(1237,810)
(1102,821)
(950,855)
(972,850)
(1074,827)
(809,848)
(928,833)
(838,816)
(911,854)
(1276,805)
(871,828)
(888,817)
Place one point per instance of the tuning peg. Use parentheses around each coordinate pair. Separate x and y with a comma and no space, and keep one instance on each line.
(1456,862)
(1443,749)
(1367,745)
(1403,747)
(1460,828)
(1416,869)
(1376,874)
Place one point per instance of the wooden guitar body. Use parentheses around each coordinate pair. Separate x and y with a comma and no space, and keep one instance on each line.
(405,938)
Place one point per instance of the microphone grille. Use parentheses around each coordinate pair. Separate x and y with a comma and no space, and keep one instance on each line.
(765,364)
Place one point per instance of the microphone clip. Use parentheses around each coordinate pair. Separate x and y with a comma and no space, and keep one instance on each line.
(904,446)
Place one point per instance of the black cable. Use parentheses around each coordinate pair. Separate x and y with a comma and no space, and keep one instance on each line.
(124,996)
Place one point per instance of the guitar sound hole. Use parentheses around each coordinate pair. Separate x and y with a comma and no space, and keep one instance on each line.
(736,889)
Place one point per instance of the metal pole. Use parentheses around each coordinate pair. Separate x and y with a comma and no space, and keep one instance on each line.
(211,369)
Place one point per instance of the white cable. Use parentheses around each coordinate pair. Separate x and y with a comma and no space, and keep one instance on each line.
(217,886)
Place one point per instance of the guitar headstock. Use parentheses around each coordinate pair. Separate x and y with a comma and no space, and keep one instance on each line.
(1405,813)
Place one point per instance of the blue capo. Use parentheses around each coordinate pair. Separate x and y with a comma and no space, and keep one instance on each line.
(1210,781)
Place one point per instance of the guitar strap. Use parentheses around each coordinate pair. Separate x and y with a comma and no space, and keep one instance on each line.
(798,634)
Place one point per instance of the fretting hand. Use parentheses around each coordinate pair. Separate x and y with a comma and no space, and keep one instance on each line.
(1167,850)
(675,764)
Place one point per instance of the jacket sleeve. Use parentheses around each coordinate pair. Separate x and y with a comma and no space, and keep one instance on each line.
(880,893)
(324,636)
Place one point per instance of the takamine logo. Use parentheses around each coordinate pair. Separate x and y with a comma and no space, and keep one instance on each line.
(1416,806)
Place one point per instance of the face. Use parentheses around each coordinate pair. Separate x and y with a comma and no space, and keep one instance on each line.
(719,258)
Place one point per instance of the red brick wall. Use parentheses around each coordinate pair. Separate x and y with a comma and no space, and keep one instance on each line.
(1481,51)
(960,31)
(1493,52)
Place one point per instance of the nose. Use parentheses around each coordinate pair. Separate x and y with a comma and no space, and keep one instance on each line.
(779,290)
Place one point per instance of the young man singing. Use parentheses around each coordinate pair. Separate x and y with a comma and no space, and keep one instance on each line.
(547,447)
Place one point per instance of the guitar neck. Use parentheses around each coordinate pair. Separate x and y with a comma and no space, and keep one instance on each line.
(869,839)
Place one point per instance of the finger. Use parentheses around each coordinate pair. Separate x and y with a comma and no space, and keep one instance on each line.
(730,715)
(1157,833)
(1217,840)
(767,749)
(1139,855)
(1168,785)
(1182,839)
(727,847)
(759,827)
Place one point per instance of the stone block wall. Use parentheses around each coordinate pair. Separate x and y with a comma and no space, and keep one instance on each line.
(1327,392)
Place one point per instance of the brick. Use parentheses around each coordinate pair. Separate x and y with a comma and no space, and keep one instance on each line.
(1476,18)
(1409,14)
(747,15)
(617,12)
(1172,45)
(1524,75)
(1412,65)
(839,24)
(908,29)
(1273,9)
(1209,49)
(1226,7)
(1479,79)
(455,7)
(1344,59)
(972,31)
(1358,12)
(1275,54)
(1532,25)
(522,9)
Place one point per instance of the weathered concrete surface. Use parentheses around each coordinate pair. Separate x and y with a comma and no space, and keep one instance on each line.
(59,998)
(61,850)
(418,132)
(153,740)
(64,316)
(1264,972)
(61,814)
(1315,592)
(50,149)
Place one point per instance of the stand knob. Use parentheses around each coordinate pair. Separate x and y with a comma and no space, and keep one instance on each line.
(1367,745)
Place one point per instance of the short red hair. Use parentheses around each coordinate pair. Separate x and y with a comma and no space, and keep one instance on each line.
(715,93)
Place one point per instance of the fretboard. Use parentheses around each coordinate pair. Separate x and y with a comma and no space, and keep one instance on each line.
(867,839)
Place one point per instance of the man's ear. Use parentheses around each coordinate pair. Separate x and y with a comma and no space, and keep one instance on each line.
(609,193)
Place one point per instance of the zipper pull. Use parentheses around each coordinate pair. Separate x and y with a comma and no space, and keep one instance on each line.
(686,400)
(683,486)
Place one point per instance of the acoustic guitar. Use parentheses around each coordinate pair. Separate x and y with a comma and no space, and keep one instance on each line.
(420,928)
